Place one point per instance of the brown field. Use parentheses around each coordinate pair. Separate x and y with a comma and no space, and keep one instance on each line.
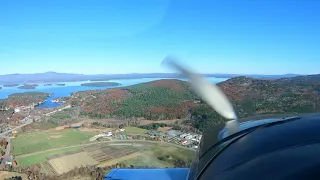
(103,152)
(81,178)
(67,163)
(98,154)
(144,122)
(6,174)
(164,129)
(87,121)
(96,129)
(120,159)
(48,169)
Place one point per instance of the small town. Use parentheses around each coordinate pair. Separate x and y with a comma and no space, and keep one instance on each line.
(32,114)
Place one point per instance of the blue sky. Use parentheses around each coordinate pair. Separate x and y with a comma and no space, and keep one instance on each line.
(128,36)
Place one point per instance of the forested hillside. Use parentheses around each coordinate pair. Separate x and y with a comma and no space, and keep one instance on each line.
(26,99)
(163,99)
(171,99)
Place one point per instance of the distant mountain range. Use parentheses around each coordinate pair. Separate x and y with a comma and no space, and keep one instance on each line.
(65,77)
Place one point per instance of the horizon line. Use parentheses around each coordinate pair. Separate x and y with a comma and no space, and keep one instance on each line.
(153,73)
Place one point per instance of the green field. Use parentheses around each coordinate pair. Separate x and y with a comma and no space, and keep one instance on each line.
(37,141)
(151,154)
(133,130)
(41,157)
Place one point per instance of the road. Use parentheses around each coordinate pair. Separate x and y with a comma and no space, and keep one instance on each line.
(29,121)
(112,143)
(17,127)
(49,113)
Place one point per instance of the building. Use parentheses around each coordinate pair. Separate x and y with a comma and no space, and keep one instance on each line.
(189,136)
(14,134)
(173,133)
(183,141)
(7,161)
(108,133)
(184,135)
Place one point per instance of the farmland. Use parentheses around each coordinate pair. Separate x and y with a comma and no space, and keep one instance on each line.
(150,155)
(133,130)
(41,157)
(99,154)
(141,153)
(39,141)
(68,162)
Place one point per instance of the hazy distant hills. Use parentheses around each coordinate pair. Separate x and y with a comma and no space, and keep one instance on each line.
(59,77)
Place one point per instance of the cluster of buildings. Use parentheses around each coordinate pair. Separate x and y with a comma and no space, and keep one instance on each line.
(186,139)
(190,140)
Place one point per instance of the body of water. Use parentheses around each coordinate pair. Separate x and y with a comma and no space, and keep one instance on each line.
(71,87)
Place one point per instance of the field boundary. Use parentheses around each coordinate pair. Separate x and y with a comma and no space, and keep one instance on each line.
(63,154)
(120,159)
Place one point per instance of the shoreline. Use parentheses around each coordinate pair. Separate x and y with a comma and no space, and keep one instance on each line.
(69,89)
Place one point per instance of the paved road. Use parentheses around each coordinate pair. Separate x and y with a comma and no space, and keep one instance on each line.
(66,107)
(28,121)
(112,142)
(7,153)
(17,127)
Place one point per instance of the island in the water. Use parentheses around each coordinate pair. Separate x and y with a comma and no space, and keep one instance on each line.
(10,85)
(101,84)
(28,86)
(47,84)
(61,84)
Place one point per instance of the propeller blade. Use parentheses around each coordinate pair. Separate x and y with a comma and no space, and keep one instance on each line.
(210,93)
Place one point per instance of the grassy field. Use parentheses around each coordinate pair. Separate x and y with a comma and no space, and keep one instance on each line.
(37,141)
(133,130)
(41,157)
(150,156)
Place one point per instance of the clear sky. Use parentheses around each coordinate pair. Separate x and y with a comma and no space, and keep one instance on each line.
(133,36)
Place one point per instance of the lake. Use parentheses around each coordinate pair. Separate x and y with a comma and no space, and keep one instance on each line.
(71,87)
